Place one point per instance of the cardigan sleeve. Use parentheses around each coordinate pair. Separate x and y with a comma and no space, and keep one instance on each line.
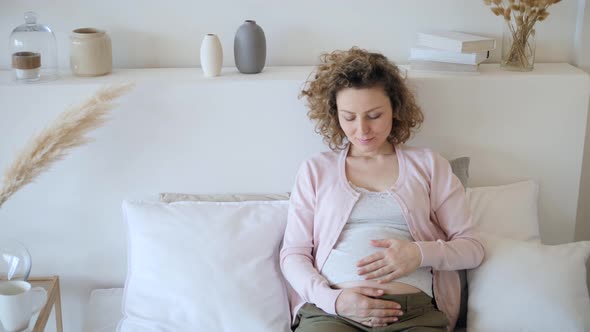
(462,249)
(296,257)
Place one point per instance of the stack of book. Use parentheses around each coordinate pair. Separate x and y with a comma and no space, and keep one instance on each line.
(450,51)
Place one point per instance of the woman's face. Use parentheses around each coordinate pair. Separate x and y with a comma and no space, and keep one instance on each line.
(365,116)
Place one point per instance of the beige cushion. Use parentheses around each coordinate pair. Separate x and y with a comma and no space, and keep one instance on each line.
(176,197)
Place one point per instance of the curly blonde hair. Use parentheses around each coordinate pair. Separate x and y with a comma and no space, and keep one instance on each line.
(358,68)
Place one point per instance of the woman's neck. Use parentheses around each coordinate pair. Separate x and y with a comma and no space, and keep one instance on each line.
(386,149)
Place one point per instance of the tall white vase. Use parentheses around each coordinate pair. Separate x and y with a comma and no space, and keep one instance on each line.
(211,55)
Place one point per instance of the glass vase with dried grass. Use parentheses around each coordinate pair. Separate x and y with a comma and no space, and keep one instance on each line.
(518,48)
(518,39)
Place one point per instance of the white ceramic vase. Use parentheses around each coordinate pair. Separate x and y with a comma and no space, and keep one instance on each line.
(211,55)
(90,52)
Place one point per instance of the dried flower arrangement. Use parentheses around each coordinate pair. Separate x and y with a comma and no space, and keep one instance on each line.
(520,17)
(53,143)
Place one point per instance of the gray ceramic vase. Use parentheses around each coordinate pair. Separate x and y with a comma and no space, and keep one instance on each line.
(250,48)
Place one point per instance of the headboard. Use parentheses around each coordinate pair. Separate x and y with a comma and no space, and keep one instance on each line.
(179,132)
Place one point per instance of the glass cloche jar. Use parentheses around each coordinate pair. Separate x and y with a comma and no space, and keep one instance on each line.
(33,51)
(15,260)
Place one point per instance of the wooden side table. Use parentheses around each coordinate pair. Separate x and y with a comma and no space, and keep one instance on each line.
(51,285)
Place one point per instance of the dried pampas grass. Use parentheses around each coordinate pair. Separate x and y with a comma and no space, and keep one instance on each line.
(53,143)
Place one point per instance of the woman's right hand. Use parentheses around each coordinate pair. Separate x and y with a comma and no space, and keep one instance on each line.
(359,304)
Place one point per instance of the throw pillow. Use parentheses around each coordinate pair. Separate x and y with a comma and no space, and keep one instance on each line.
(460,167)
(205,266)
(508,210)
(527,286)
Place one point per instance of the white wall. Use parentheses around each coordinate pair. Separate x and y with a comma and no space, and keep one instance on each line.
(582,60)
(157,33)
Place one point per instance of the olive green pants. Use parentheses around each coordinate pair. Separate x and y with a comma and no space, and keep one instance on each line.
(420,315)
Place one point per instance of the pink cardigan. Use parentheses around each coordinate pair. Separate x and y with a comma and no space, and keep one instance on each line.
(434,206)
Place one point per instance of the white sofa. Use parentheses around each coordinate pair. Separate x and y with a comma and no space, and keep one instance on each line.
(199,264)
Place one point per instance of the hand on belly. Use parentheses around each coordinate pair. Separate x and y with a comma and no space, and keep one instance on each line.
(363,305)
(397,259)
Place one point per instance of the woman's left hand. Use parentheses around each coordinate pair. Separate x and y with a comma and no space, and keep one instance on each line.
(399,258)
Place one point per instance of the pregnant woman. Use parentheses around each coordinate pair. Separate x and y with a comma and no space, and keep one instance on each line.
(376,229)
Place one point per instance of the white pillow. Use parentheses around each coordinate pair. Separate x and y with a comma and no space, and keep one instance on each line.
(508,210)
(525,286)
(205,266)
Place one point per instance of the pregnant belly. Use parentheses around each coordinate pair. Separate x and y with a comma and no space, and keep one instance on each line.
(392,288)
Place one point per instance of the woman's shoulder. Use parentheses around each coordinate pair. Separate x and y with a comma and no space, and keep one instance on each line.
(423,157)
(320,167)
(418,153)
(323,159)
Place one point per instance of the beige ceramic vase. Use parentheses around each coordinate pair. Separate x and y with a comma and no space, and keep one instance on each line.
(90,52)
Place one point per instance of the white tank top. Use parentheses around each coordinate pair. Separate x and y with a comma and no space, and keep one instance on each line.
(376,215)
